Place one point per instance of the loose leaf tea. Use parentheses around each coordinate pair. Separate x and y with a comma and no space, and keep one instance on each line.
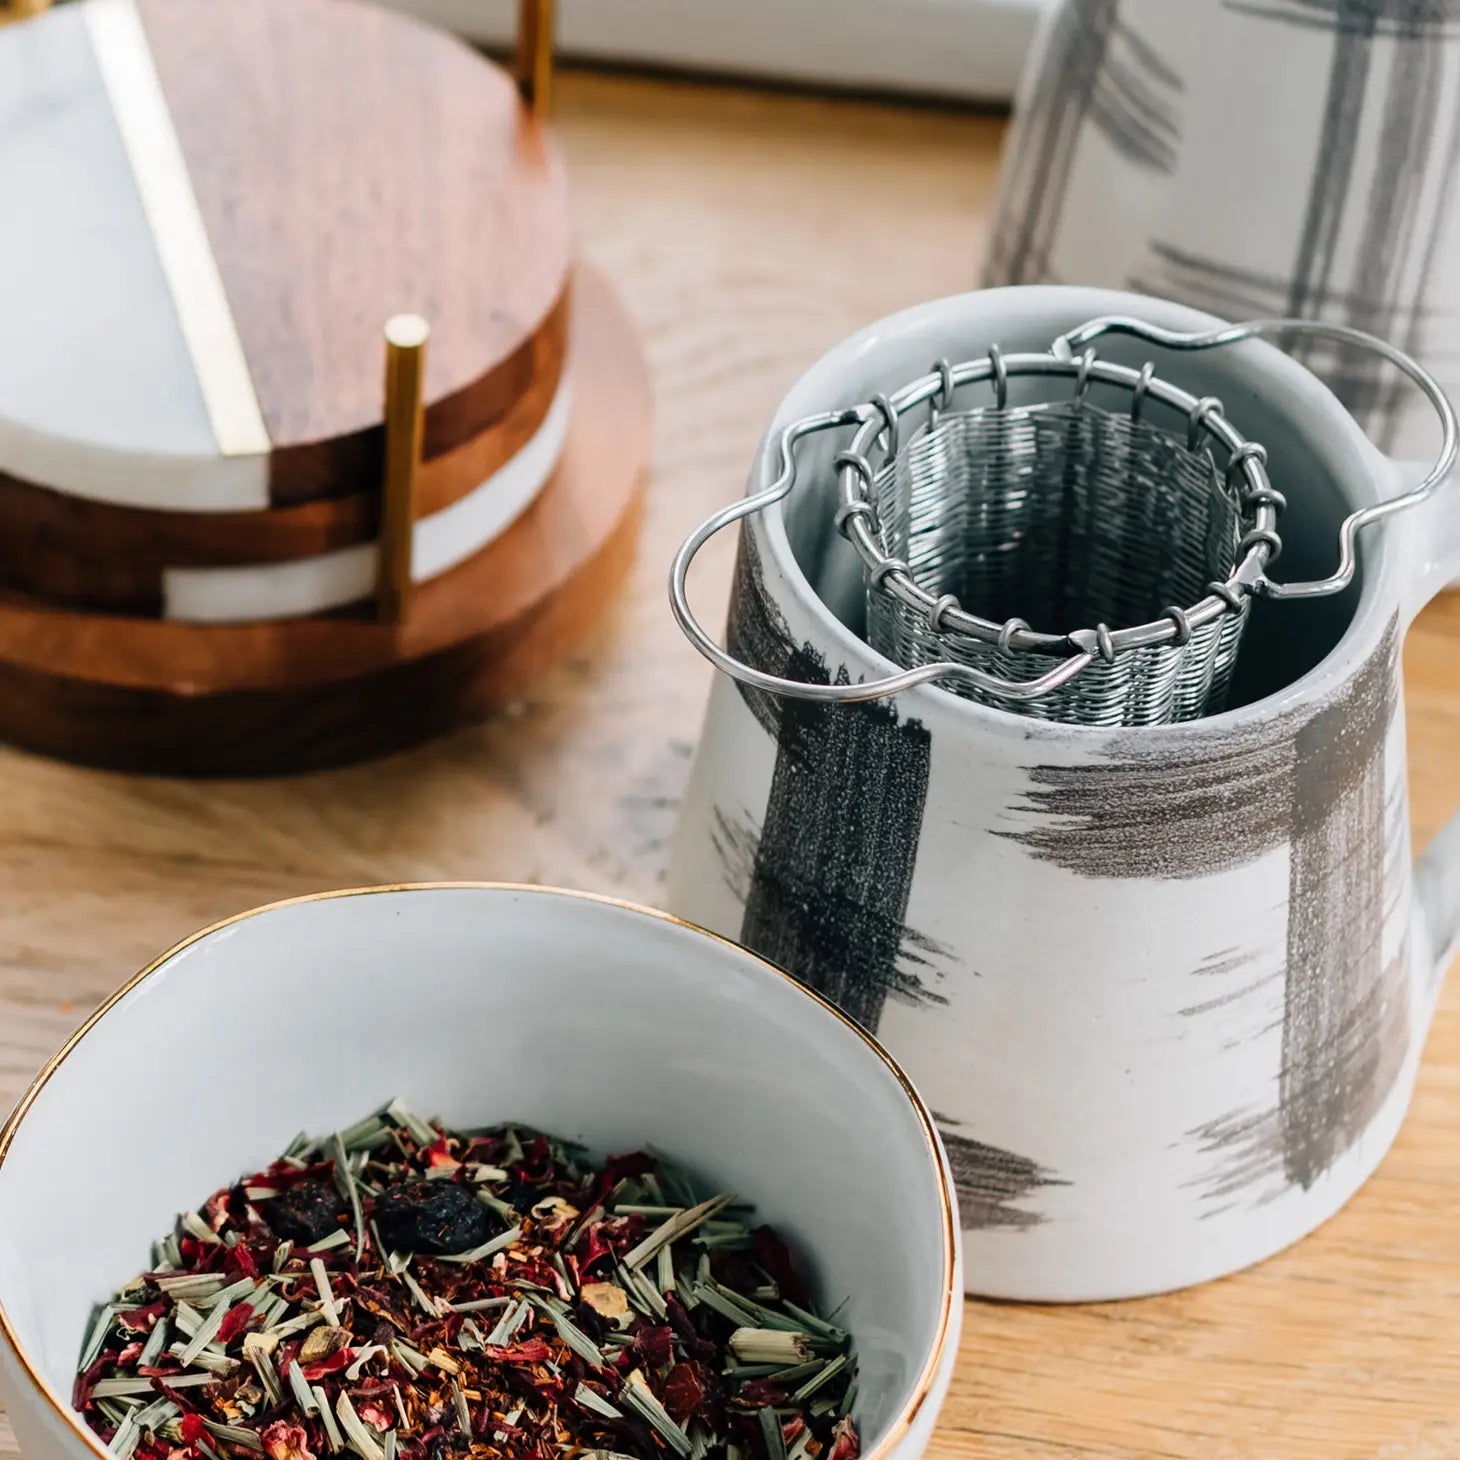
(405,1292)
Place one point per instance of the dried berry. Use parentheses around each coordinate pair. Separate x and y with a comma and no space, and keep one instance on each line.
(304,1213)
(436,1217)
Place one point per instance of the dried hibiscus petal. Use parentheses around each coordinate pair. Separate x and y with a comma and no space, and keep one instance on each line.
(234,1322)
(656,1345)
(846,1444)
(684,1391)
(192,1428)
(530,1351)
(775,1257)
(283,1441)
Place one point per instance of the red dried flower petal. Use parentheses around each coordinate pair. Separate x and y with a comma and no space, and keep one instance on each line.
(634,1163)
(81,1390)
(591,1246)
(374,1415)
(142,1320)
(437,1154)
(242,1261)
(283,1441)
(761,1394)
(130,1354)
(684,1391)
(775,1257)
(846,1443)
(234,1322)
(342,1358)
(656,1345)
(529,1351)
(192,1428)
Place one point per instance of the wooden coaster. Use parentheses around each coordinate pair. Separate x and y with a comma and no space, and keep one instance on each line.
(67,551)
(224,203)
(183,699)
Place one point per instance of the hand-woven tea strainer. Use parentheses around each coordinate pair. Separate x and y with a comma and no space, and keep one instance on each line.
(984,529)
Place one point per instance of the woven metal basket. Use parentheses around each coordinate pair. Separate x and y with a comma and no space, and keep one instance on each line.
(1060,515)
(1064,559)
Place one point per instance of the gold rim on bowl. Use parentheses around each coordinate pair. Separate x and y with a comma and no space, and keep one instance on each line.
(927,1377)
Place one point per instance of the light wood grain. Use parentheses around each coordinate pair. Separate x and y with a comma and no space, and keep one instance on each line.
(749,233)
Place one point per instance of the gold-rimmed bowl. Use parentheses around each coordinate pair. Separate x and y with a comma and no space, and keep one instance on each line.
(604,1022)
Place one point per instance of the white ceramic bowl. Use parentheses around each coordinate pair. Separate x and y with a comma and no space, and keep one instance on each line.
(594,1019)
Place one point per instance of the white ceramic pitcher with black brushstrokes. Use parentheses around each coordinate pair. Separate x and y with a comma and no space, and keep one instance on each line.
(1167,988)
(1251,157)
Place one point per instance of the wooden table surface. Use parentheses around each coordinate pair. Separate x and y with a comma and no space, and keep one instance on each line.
(748,232)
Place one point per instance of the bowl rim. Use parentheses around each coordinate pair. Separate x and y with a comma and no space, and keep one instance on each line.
(927,1378)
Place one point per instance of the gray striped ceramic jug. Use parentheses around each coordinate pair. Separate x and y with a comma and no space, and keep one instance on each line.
(1166,988)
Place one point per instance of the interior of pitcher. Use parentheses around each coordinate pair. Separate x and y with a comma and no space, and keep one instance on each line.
(1074,520)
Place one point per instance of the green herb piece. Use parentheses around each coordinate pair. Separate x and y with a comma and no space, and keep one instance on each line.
(675,1228)
(769,1346)
(509,1322)
(481,1305)
(730,1308)
(463,1414)
(215,1363)
(814,1324)
(775,1439)
(191,1287)
(820,1380)
(100,1326)
(338,1238)
(326,1293)
(231,1294)
(235,1435)
(327,1419)
(195,1226)
(592,1399)
(571,1334)
(412,1358)
(357,1434)
(635,1396)
(156,1342)
(345,1185)
(124,1442)
(387,1444)
(303,1395)
(402,1115)
(207,1332)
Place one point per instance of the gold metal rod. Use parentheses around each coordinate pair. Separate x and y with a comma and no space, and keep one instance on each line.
(20,9)
(535,22)
(405,419)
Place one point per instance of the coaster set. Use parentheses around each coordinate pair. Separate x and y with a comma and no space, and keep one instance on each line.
(313,438)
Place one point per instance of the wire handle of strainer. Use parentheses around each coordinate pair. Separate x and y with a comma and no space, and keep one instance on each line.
(1072,352)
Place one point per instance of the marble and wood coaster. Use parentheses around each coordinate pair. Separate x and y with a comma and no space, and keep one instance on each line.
(224,205)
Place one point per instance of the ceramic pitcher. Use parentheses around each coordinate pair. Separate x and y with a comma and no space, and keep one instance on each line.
(1166,988)
(1251,157)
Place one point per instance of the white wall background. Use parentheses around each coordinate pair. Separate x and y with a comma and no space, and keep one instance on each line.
(966,49)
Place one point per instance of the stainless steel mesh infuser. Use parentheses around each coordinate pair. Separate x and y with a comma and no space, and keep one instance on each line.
(986,529)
